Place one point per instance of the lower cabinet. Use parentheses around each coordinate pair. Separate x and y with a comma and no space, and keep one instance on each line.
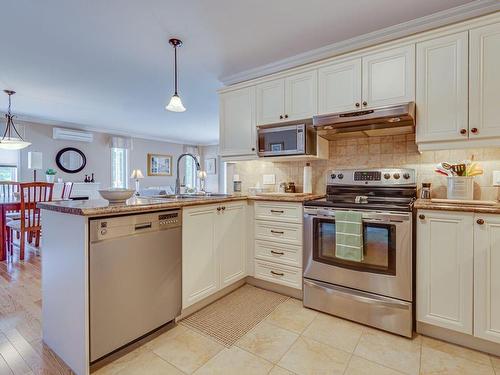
(213,249)
(458,256)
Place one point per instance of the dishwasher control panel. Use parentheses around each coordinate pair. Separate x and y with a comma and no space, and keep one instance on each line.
(168,220)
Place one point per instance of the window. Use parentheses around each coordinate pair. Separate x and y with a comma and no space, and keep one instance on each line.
(9,160)
(119,167)
(191,174)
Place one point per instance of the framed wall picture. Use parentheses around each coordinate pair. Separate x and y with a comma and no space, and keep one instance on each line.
(211,165)
(159,165)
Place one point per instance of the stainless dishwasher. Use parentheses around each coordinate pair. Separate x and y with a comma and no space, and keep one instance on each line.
(135,277)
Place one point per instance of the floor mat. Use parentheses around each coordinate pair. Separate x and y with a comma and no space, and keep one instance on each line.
(231,317)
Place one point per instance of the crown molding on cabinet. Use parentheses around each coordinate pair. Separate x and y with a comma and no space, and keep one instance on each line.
(457,14)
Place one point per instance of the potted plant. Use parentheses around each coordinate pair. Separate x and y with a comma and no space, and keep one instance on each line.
(50,174)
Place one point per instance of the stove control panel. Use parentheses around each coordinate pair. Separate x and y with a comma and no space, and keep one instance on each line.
(373,177)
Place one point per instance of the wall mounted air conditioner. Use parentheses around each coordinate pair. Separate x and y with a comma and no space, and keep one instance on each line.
(72,135)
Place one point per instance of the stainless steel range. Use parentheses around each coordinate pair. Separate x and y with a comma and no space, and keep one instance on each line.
(378,290)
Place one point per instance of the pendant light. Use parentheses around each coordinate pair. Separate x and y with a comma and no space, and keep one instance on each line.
(175,104)
(9,142)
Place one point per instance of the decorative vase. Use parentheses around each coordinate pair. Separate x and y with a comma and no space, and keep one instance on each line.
(50,178)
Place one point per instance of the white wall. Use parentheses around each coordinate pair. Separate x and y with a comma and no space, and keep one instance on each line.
(206,152)
(98,155)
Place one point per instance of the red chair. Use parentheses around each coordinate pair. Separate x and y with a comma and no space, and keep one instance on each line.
(66,191)
(31,193)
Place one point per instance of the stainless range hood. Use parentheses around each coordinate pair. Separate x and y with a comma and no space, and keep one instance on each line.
(390,120)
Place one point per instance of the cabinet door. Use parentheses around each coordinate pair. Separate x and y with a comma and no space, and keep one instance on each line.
(484,96)
(270,102)
(339,87)
(237,122)
(442,89)
(487,277)
(301,95)
(445,269)
(200,271)
(231,240)
(389,77)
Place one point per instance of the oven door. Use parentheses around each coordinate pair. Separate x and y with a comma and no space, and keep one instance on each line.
(282,140)
(386,268)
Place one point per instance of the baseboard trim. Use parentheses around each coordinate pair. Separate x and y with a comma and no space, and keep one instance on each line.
(281,289)
(458,338)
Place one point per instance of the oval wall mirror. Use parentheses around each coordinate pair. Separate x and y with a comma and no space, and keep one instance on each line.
(71,160)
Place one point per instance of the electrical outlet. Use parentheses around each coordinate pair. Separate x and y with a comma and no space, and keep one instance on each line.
(269,179)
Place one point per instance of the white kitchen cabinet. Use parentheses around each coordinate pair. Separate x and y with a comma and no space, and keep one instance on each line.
(389,77)
(213,249)
(237,122)
(442,89)
(230,232)
(339,87)
(287,99)
(445,269)
(484,95)
(487,277)
(200,271)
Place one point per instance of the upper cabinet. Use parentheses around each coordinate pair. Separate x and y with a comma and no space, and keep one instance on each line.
(339,87)
(442,88)
(389,77)
(484,96)
(237,122)
(287,99)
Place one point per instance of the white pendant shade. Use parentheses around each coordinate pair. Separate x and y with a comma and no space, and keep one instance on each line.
(35,160)
(175,104)
(13,144)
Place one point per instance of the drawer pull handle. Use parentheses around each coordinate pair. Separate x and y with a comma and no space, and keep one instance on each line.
(277,211)
(277,232)
(277,252)
(277,273)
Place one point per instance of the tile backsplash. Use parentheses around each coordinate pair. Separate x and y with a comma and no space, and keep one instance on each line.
(390,151)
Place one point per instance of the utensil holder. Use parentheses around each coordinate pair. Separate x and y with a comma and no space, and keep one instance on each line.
(460,187)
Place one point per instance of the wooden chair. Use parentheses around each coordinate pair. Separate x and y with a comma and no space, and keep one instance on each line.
(66,191)
(8,188)
(31,193)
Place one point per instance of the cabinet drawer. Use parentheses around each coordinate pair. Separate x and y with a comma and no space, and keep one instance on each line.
(290,255)
(278,232)
(286,212)
(279,274)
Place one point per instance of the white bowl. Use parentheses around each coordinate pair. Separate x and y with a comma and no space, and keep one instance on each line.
(117,195)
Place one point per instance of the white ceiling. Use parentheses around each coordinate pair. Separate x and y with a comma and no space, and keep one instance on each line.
(106,64)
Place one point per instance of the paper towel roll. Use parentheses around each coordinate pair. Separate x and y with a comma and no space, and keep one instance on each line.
(308,179)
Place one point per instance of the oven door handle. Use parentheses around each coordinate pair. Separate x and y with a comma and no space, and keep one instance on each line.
(356,295)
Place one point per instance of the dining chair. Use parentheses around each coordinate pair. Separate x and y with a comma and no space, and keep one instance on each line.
(8,188)
(31,193)
(66,191)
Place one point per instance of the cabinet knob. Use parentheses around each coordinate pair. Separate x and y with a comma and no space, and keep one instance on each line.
(223,208)
(463,131)
(421,217)
(365,103)
(474,130)
(480,221)
(286,116)
(281,117)
(219,208)
(253,148)
(357,105)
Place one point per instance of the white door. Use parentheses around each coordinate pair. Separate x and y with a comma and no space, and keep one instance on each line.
(200,271)
(487,277)
(270,102)
(339,87)
(442,89)
(445,269)
(484,96)
(231,240)
(237,122)
(389,77)
(301,95)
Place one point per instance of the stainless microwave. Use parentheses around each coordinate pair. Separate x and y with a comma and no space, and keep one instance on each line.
(281,140)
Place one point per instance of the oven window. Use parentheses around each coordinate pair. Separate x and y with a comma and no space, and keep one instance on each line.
(379,247)
(278,141)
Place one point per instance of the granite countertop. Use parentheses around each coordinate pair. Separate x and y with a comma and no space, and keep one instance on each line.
(285,197)
(100,207)
(427,204)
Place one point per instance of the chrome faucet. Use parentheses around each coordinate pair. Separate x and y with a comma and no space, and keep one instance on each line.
(177,180)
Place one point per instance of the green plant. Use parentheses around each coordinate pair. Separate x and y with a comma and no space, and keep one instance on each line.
(50,172)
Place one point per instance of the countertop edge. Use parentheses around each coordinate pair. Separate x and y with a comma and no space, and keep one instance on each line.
(423,204)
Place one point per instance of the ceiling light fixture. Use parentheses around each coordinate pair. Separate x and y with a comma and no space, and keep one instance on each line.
(175,104)
(8,142)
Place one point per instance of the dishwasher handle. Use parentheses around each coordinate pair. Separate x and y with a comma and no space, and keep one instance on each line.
(142,226)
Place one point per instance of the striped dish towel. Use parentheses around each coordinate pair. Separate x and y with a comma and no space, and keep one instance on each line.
(349,235)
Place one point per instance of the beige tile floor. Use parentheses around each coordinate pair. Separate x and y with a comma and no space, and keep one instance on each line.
(296,340)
